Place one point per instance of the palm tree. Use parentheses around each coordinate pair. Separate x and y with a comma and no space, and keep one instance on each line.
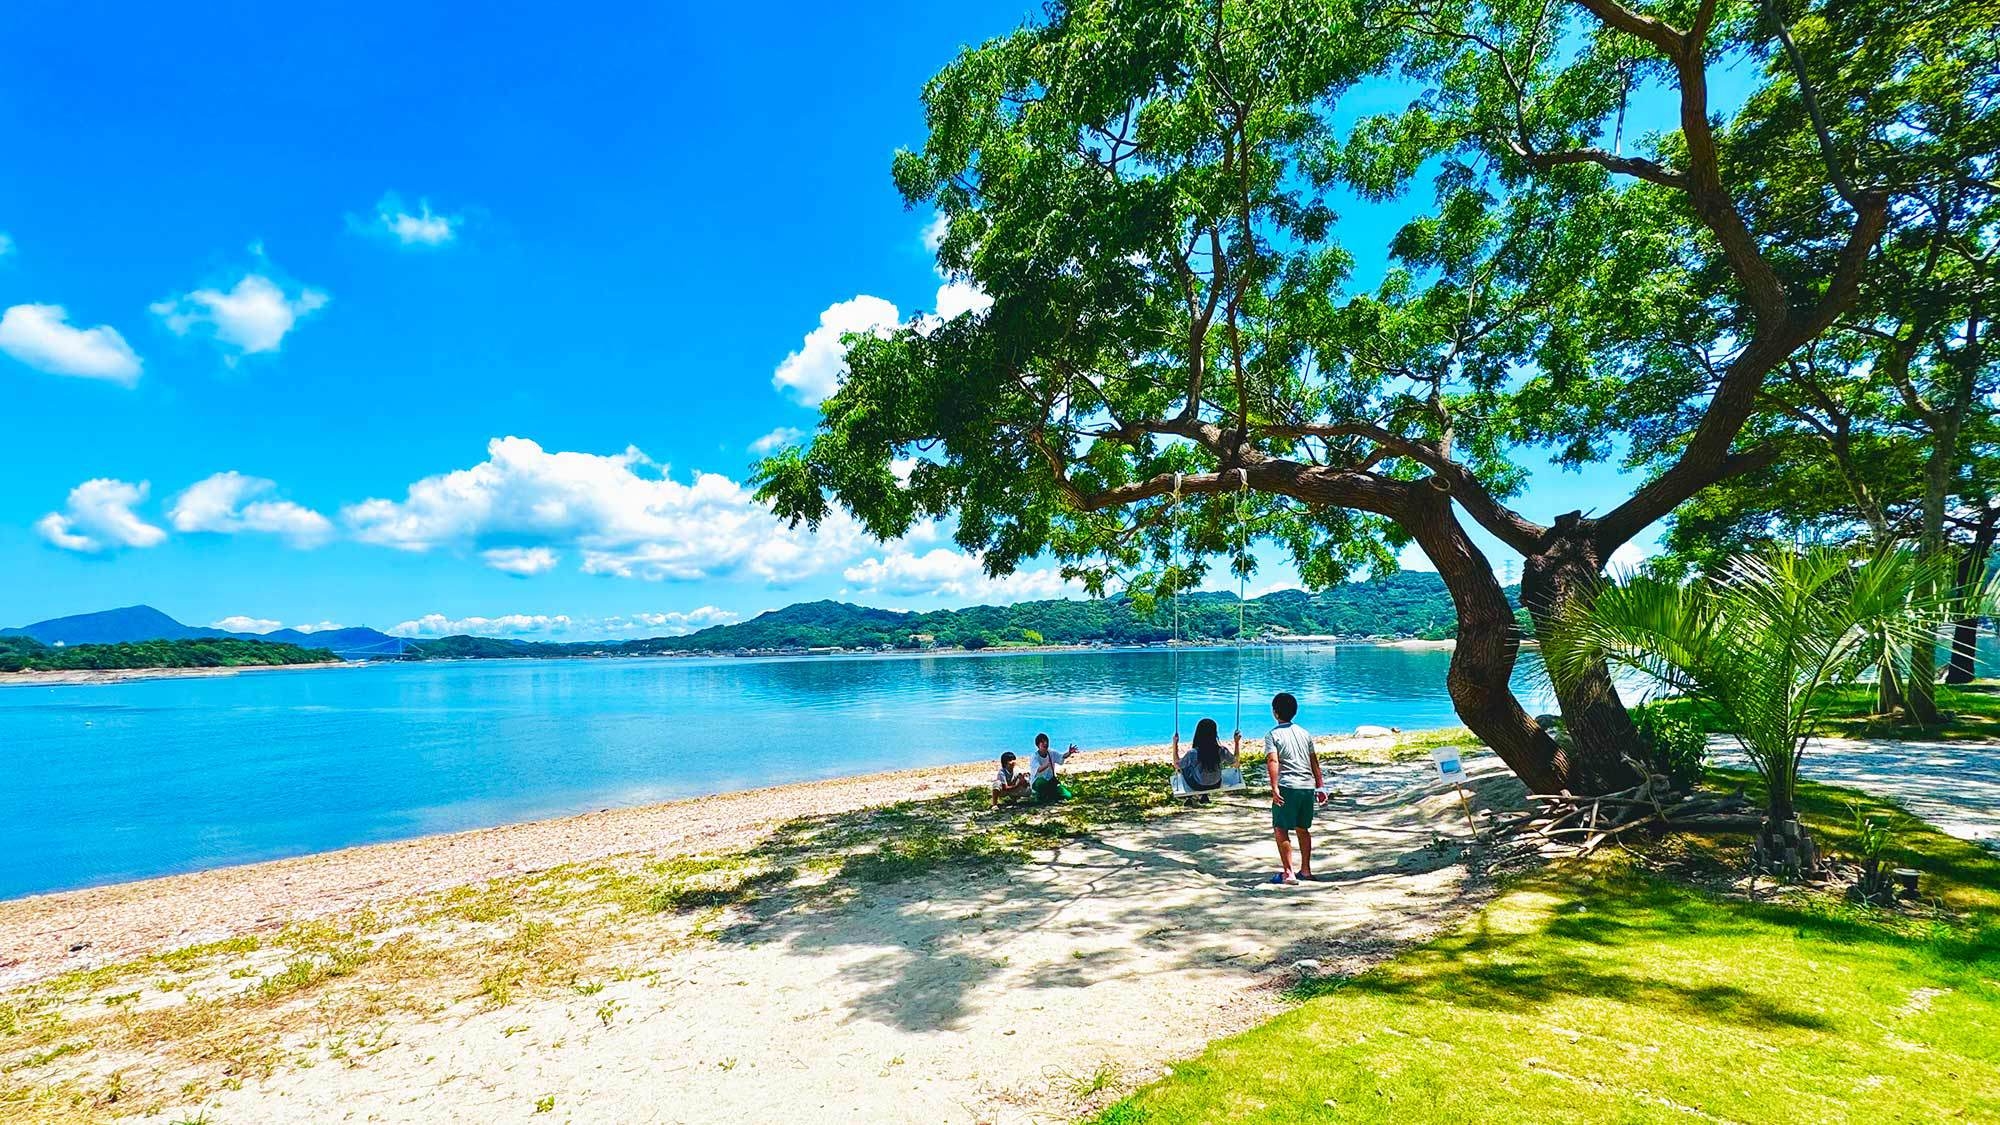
(1756,642)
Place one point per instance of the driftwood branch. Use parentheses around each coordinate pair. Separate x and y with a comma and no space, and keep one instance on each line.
(1652,807)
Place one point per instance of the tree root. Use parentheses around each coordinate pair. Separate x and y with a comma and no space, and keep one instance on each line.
(1650,808)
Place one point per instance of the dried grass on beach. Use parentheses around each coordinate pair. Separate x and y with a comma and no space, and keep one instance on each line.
(809,953)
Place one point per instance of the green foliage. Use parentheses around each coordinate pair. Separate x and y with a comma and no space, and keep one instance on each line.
(1674,746)
(483,648)
(1604,994)
(1400,604)
(25,654)
(1759,642)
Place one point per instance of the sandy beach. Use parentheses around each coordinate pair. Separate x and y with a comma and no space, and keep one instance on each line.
(972,992)
(128,675)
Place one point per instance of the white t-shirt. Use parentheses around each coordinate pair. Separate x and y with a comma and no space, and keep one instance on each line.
(1292,745)
(1047,761)
(1006,779)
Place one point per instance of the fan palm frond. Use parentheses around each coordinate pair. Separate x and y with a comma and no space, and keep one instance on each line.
(1759,639)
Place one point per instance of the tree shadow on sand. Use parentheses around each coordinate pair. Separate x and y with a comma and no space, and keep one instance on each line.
(936,908)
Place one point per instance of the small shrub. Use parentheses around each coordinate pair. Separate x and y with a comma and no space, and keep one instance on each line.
(1673,746)
(1871,838)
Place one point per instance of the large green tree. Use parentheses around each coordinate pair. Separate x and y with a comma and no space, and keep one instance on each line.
(1887,421)
(1148,190)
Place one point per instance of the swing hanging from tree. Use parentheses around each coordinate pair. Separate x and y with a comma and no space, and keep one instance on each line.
(1232,777)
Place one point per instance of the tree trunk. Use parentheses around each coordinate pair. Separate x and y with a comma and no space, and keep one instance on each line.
(1482,659)
(1964,666)
(1560,576)
(1964,663)
(1888,696)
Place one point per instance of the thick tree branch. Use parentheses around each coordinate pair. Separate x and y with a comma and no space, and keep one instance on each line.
(1506,525)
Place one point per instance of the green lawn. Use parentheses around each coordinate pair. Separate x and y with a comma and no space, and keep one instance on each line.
(1969,713)
(1605,994)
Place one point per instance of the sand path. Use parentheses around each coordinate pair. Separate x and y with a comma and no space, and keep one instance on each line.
(1955,786)
(1010,994)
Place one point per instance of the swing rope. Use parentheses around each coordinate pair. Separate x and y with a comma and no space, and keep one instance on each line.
(1242,586)
(1174,638)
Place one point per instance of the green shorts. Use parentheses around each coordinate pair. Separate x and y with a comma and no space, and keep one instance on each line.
(1296,812)
(1048,791)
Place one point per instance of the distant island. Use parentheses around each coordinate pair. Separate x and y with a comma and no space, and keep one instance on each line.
(26,654)
(1405,605)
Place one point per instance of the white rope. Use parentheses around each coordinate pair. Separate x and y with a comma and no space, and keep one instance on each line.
(1242,587)
(1173,641)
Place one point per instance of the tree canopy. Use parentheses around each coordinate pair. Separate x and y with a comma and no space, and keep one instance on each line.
(1150,193)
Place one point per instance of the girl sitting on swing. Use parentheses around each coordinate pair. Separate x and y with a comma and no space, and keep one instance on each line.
(1201,767)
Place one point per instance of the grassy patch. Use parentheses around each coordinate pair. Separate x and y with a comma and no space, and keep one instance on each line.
(1601,993)
(1968,713)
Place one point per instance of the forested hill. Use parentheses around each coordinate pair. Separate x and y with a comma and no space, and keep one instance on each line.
(1408,604)
(20,653)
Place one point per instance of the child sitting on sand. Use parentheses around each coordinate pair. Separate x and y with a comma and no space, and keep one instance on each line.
(1201,766)
(1295,784)
(1048,785)
(1009,783)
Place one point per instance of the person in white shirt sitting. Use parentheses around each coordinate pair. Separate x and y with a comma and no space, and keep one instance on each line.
(1010,783)
(1047,762)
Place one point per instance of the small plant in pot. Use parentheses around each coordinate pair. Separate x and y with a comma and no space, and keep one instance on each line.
(1756,642)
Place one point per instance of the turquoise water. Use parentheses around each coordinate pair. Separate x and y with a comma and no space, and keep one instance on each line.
(104,783)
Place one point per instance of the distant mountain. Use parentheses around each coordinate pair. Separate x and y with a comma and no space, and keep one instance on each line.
(113,626)
(357,643)
(137,623)
(1405,604)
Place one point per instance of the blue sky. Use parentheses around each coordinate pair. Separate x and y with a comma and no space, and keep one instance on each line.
(317,316)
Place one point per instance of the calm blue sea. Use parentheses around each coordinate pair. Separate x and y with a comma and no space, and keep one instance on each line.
(104,783)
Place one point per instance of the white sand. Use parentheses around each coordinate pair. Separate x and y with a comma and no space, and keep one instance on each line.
(1007,994)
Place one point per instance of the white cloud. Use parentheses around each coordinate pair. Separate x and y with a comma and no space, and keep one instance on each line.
(250,318)
(625,514)
(663,624)
(945,573)
(777,439)
(41,337)
(242,624)
(99,516)
(522,562)
(562,625)
(956,297)
(935,230)
(509,625)
(814,372)
(218,504)
(322,627)
(422,227)
(1628,557)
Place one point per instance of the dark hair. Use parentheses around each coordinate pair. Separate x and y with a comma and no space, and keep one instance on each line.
(1207,745)
(1007,757)
(1041,740)
(1285,706)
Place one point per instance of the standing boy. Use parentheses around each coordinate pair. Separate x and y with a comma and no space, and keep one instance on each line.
(1295,782)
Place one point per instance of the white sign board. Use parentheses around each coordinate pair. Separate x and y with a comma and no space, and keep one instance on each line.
(1449,767)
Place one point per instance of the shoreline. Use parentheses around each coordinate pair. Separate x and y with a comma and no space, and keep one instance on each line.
(70,677)
(44,935)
